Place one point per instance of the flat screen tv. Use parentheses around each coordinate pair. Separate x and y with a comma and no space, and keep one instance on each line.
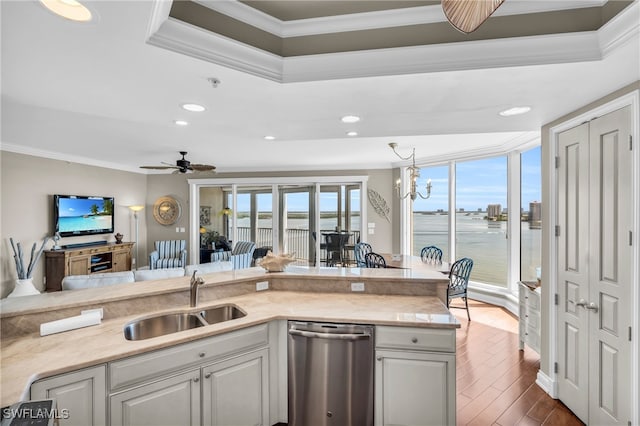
(80,215)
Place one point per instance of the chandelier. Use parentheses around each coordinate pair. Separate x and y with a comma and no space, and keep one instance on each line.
(414,174)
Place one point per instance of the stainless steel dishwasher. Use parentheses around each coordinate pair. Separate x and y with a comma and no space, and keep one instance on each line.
(330,370)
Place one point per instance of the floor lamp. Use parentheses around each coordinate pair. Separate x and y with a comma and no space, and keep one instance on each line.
(135,210)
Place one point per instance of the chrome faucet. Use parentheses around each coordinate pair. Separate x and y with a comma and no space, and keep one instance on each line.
(195,283)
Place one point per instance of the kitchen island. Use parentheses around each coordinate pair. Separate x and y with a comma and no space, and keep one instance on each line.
(394,299)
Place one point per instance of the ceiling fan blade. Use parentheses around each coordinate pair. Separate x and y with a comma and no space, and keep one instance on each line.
(468,15)
(202,167)
(158,167)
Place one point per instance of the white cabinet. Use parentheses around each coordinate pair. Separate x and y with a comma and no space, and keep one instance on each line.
(415,376)
(236,391)
(172,401)
(225,379)
(529,317)
(82,393)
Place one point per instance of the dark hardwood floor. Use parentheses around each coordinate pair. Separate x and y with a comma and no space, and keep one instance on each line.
(495,381)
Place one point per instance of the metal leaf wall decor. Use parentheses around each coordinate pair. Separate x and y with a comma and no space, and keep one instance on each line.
(468,15)
(379,204)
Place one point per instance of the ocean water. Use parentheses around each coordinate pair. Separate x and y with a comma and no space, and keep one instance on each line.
(485,242)
(81,223)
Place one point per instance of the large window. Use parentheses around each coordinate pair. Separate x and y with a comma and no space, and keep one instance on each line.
(531,219)
(481,218)
(481,221)
(431,216)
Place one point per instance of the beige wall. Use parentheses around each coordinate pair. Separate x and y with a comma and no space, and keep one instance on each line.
(26,208)
(29,182)
(548,191)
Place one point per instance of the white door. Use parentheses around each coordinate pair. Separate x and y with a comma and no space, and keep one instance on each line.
(594,269)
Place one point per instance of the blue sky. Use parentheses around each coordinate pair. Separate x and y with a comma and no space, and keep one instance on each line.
(479,183)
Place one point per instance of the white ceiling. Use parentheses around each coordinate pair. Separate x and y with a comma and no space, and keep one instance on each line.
(99,94)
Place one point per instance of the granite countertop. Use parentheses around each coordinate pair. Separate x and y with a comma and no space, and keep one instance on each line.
(30,357)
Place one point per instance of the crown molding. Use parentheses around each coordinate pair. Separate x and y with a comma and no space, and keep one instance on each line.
(51,155)
(187,39)
(620,30)
(371,20)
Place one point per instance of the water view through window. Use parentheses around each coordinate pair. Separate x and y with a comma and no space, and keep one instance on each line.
(480,223)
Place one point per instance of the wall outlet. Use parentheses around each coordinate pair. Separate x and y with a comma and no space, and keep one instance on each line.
(89,311)
(357,286)
(262,285)
(372,231)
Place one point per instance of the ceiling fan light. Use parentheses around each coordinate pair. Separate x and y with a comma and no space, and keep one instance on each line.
(69,9)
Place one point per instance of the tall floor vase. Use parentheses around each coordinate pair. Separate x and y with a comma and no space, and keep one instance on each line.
(24,287)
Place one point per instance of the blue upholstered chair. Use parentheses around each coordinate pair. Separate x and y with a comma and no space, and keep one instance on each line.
(168,254)
(241,255)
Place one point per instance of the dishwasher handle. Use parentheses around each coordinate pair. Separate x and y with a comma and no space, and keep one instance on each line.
(330,336)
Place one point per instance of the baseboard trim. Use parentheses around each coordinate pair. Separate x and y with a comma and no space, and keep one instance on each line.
(547,384)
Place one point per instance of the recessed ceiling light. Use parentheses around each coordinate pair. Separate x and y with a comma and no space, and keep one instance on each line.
(269,138)
(70,9)
(352,133)
(180,123)
(515,111)
(193,107)
(350,119)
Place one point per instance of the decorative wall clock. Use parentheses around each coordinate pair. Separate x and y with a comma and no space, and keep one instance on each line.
(166,210)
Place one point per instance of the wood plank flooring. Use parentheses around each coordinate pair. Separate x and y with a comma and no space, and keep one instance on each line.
(495,381)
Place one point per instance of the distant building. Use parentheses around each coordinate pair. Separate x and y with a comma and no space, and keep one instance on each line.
(535,215)
(494,211)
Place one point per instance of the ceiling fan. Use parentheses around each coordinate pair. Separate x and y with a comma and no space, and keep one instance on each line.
(183,166)
(467,15)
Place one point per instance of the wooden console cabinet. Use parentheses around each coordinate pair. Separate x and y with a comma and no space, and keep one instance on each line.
(84,261)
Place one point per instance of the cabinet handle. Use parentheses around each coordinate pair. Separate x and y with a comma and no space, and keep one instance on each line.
(379,358)
(206,376)
(196,380)
(414,340)
(201,354)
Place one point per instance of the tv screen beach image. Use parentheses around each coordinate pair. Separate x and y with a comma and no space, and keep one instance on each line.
(84,214)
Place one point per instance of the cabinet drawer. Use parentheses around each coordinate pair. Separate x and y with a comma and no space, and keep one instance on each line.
(425,339)
(533,300)
(157,363)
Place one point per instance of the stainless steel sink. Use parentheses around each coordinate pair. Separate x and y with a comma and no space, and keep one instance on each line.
(221,314)
(174,322)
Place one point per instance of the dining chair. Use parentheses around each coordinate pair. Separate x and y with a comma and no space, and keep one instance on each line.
(374,260)
(335,242)
(431,254)
(360,250)
(459,281)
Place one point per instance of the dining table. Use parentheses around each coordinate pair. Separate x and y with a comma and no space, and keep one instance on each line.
(402,261)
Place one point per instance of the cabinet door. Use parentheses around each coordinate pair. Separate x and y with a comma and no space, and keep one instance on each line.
(236,391)
(80,265)
(121,261)
(82,394)
(172,401)
(414,388)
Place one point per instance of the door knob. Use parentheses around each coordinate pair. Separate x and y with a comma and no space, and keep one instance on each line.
(582,303)
(592,307)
